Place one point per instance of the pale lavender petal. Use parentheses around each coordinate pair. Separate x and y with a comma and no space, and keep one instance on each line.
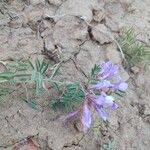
(113,71)
(113,106)
(101,112)
(99,100)
(108,70)
(109,100)
(104,68)
(103,94)
(120,86)
(86,117)
(123,86)
(70,115)
(106,83)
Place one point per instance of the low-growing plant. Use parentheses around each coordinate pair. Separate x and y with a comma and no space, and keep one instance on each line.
(79,98)
(102,84)
(70,97)
(38,74)
(28,72)
(134,51)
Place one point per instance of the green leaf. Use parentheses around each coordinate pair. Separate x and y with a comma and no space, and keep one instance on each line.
(6,76)
(95,70)
(42,64)
(135,51)
(37,64)
(31,65)
(45,67)
(21,75)
(33,104)
(56,86)
(70,97)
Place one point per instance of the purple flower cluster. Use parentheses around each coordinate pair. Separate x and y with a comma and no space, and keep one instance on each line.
(98,95)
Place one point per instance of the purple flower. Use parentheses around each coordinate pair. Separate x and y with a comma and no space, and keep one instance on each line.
(120,86)
(109,100)
(98,94)
(86,117)
(108,70)
(105,99)
(101,112)
(99,99)
(102,99)
(70,115)
(101,84)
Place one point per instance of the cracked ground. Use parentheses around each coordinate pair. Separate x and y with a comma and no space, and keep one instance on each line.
(78,28)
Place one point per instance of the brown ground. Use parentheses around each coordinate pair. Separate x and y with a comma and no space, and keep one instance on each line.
(28,27)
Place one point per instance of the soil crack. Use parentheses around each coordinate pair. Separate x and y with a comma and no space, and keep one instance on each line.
(78,68)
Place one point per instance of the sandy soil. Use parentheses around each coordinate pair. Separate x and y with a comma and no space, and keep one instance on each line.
(32,27)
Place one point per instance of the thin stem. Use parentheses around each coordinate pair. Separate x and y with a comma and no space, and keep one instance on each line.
(26,89)
(55,69)
(59,82)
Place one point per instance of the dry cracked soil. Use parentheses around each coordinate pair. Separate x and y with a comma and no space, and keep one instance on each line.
(78,28)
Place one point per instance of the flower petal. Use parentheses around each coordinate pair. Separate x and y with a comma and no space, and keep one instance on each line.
(113,106)
(99,100)
(108,69)
(70,115)
(109,100)
(123,86)
(101,84)
(86,116)
(120,86)
(101,112)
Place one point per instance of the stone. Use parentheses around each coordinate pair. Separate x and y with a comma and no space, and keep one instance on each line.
(135,69)
(33,15)
(98,15)
(113,25)
(68,30)
(101,34)
(49,12)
